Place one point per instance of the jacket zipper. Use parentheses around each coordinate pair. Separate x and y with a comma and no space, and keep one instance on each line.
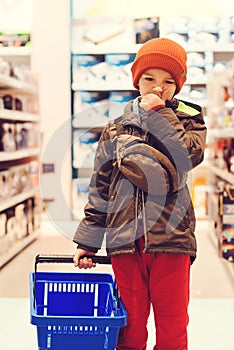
(136,208)
(143,219)
(143,204)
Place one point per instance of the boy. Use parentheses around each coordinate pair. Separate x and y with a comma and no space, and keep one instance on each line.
(139,199)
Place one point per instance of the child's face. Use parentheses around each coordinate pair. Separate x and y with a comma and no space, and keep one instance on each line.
(159,82)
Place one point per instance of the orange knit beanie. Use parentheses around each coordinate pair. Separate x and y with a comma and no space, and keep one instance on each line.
(164,54)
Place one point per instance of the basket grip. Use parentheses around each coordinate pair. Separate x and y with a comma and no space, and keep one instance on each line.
(100,259)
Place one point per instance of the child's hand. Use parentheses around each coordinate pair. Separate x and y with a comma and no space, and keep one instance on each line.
(83,263)
(151,100)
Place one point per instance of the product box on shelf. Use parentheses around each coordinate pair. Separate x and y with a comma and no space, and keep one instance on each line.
(196,75)
(84,148)
(88,101)
(12,102)
(11,229)
(28,212)
(223,153)
(82,64)
(20,221)
(101,32)
(20,179)
(90,97)
(18,135)
(146,29)
(195,30)
(3,221)
(15,224)
(225,222)
(231,33)
(34,173)
(26,135)
(90,108)
(119,67)
(17,179)
(18,102)
(5,184)
(14,39)
(7,136)
(37,210)
(118,99)
(101,69)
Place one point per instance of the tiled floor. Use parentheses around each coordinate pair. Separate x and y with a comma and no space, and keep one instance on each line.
(211,324)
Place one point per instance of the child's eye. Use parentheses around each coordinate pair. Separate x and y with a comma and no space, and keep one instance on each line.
(148,78)
(170,82)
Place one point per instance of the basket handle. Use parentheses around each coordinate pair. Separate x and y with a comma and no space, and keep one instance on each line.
(100,259)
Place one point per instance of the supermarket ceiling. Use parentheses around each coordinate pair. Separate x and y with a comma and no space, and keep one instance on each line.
(148,8)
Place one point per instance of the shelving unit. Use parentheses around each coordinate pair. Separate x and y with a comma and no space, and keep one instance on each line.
(20,206)
(221,158)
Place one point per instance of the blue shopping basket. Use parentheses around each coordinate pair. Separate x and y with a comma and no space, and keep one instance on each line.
(75,310)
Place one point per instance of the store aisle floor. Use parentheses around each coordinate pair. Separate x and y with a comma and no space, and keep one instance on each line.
(212,292)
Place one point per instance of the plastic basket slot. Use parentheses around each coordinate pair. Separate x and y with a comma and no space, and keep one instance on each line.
(73,287)
(49,337)
(86,330)
(69,287)
(69,330)
(82,288)
(45,299)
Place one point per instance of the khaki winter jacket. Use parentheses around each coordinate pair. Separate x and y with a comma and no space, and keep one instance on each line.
(140,174)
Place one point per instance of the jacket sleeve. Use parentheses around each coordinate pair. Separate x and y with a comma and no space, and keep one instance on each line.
(182,135)
(91,230)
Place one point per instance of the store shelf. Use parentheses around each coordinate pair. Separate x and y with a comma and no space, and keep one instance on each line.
(223,174)
(97,50)
(15,51)
(221,133)
(131,48)
(8,84)
(19,168)
(18,247)
(18,115)
(10,202)
(24,153)
(102,86)
(209,47)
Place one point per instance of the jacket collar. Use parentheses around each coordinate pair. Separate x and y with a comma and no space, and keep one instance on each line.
(129,117)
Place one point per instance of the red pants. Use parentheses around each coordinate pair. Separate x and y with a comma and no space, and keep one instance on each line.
(163,281)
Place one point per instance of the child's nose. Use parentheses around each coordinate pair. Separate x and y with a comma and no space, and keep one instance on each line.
(157,89)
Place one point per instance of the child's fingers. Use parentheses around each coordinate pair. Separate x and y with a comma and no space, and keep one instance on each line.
(85,263)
